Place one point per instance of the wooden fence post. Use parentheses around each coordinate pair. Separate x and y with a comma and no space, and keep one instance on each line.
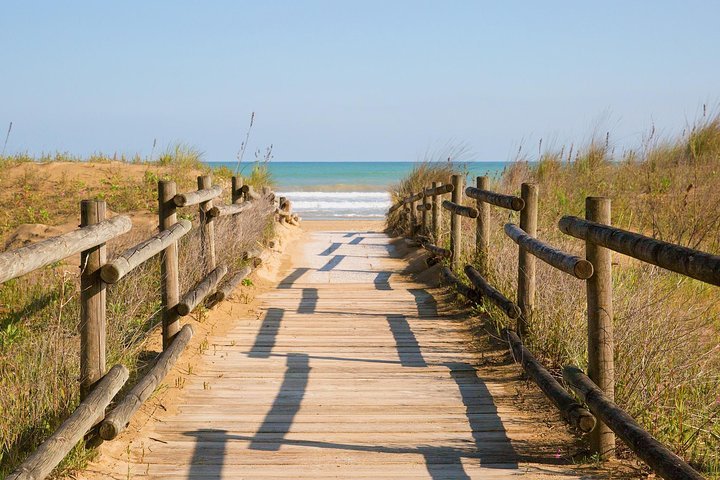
(456,223)
(237,183)
(169,273)
(207,226)
(482,229)
(601,369)
(413,218)
(526,261)
(92,303)
(436,218)
(424,216)
(406,212)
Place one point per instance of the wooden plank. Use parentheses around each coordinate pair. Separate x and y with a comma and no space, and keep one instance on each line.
(334,377)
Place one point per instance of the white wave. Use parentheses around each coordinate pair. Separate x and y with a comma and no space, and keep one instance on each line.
(329,205)
(352,215)
(336,195)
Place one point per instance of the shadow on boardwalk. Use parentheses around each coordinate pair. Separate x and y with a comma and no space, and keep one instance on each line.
(484,442)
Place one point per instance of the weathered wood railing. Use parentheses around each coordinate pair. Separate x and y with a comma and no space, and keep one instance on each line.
(597,389)
(98,388)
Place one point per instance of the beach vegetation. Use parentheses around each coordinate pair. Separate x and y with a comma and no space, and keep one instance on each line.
(39,312)
(667,327)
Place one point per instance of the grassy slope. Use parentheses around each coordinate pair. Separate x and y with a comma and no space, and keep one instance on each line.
(38,312)
(667,328)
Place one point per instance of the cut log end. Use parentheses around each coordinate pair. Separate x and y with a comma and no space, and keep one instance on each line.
(110,273)
(110,429)
(513,312)
(586,421)
(517,204)
(583,270)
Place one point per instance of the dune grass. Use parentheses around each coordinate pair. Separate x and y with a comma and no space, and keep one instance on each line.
(39,312)
(127,184)
(667,327)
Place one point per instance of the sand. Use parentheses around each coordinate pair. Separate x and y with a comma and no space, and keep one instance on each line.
(343,225)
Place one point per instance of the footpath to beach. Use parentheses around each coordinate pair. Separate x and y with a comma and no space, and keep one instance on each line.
(350,369)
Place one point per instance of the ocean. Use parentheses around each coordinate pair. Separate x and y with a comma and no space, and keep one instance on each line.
(345,190)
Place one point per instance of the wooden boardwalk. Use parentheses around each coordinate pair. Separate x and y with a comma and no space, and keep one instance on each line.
(352,371)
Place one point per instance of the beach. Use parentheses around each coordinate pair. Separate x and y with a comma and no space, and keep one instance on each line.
(345,190)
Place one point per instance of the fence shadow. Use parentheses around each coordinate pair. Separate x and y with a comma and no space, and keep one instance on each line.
(279,419)
(288,281)
(329,251)
(407,345)
(426,303)
(483,418)
(267,335)
(334,262)
(382,281)
(308,301)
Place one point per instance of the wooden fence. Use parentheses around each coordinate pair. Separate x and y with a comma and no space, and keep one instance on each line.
(596,389)
(98,388)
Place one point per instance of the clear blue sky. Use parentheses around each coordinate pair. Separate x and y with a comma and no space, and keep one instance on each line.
(340,80)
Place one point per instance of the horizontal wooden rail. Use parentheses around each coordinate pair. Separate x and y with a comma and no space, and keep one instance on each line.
(487,291)
(224,210)
(51,452)
(193,298)
(571,264)
(116,421)
(439,190)
(133,257)
(284,214)
(24,260)
(428,192)
(575,414)
(395,207)
(413,198)
(498,199)
(664,462)
(463,289)
(250,192)
(197,196)
(425,207)
(693,263)
(437,251)
(461,210)
(227,288)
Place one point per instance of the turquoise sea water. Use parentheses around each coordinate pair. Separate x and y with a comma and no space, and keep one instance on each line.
(346,190)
